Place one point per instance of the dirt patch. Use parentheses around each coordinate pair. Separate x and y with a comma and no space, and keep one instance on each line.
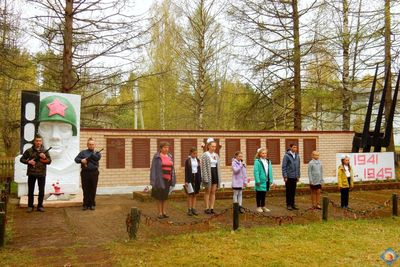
(71,236)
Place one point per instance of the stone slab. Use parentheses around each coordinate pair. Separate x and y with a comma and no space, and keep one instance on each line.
(74,201)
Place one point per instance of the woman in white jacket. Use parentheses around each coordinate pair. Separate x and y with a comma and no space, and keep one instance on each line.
(211,174)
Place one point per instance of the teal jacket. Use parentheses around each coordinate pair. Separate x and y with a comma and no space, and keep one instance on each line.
(260,175)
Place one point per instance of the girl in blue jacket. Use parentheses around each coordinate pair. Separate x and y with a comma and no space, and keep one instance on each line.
(262,177)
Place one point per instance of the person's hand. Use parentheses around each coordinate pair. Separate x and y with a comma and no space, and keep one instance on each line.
(257,184)
(32,162)
(84,161)
(297,179)
(285,179)
(42,155)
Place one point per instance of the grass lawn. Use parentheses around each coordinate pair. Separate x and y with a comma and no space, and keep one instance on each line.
(336,243)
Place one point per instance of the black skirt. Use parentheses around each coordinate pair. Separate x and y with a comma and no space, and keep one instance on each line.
(196,182)
(214,175)
(161,193)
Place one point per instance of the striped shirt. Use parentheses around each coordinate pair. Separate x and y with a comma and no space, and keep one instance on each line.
(166,167)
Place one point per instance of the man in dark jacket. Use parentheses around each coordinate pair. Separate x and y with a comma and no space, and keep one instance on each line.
(89,160)
(37,160)
(291,175)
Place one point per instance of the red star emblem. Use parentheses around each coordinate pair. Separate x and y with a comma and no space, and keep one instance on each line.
(57,107)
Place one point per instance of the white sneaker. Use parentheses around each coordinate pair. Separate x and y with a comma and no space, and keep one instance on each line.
(259,209)
(265,209)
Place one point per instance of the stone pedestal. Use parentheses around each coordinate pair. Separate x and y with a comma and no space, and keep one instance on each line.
(61,201)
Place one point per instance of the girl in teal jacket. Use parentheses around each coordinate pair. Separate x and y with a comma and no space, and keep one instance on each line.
(263,178)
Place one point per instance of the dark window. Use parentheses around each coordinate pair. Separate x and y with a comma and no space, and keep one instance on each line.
(251,149)
(141,153)
(309,145)
(115,153)
(186,145)
(231,146)
(292,141)
(274,150)
(171,144)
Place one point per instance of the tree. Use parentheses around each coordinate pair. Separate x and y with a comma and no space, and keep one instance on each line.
(91,48)
(388,61)
(17,73)
(353,38)
(269,31)
(201,54)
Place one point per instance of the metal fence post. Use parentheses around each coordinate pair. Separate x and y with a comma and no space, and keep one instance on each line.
(394,205)
(325,204)
(235,216)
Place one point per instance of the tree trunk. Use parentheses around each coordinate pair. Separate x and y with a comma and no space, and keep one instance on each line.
(388,44)
(346,93)
(201,86)
(67,54)
(296,63)
(162,106)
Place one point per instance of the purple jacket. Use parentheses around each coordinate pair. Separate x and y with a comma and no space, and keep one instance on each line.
(239,176)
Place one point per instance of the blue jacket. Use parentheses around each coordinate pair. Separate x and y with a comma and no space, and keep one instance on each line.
(291,166)
(92,158)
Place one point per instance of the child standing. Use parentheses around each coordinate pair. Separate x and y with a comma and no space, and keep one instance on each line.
(316,180)
(262,177)
(345,180)
(192,177)
(239,178)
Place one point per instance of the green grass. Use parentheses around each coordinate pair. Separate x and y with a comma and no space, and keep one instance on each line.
(335,243)
(339,243)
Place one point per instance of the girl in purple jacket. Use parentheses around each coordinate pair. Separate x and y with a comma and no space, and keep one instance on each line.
(239,178)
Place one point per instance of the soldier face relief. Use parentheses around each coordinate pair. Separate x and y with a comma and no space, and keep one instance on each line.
(56,135)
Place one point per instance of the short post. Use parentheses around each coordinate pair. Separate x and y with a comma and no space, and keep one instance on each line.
(325,204)
(3,196)
(3,203)
(394,205)
(2,228)
(235,216)
(135,219)
(8,186)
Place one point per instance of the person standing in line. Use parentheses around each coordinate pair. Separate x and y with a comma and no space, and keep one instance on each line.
(316,179)
(239,178)
(291,175)
(345,180)
(262,177)
(162,178)
(37,160)
(211,175)
(89,160)
(192,179)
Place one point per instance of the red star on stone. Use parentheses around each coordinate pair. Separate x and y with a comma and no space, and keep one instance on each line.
(57,107)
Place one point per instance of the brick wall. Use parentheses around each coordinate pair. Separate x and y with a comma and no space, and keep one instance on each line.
(328,143)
